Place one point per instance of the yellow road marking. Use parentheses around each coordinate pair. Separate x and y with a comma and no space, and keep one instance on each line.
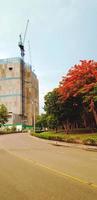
(66,175)
(63,174)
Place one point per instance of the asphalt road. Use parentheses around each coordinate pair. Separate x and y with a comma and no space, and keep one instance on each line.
(34,169)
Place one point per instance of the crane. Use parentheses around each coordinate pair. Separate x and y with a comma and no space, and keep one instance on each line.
(22,41)
(22,50)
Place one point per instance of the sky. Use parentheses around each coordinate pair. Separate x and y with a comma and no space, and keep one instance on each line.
(60,32)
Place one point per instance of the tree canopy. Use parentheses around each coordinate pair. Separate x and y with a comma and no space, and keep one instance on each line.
(41,121)
(80,80)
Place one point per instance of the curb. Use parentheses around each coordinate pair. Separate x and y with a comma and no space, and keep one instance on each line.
(67,144)
(73,145)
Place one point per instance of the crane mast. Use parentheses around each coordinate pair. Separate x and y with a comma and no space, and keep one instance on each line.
(21,42)
(22,51)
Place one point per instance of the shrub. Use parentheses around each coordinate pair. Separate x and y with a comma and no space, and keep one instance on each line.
(70,140)
(7,130)
(13,129)
(90,141)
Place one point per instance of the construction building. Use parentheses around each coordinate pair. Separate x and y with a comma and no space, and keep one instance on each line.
(19,91)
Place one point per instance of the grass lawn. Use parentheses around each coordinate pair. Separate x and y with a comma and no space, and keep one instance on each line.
(88,139)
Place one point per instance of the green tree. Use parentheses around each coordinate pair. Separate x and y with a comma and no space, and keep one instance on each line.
(41,121)
(3,114)
(53,108)
(62,113)
(51,101)
(52,122)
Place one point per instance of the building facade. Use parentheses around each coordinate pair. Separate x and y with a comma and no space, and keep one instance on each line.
(19,91)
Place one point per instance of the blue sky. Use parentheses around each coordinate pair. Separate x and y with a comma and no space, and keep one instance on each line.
(61,32)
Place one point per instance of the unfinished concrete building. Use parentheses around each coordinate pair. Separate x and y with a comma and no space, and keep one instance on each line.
(19,91)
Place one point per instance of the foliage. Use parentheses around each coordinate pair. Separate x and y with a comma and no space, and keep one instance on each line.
(13,128)
(52,122)
(7,129)
(72,110)
(3,114)
(53,108)
(80,80)
(41,121)
(52,103)
(74,103)
(88,139)
(60,112)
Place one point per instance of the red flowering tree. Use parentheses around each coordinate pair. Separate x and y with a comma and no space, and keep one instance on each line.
(81,81)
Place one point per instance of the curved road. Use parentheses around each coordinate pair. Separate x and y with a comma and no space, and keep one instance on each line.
(35,169)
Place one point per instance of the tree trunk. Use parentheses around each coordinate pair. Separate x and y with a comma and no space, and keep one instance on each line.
(84,120)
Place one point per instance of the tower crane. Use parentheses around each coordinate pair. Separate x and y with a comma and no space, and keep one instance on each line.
(22,41)
(22,50)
